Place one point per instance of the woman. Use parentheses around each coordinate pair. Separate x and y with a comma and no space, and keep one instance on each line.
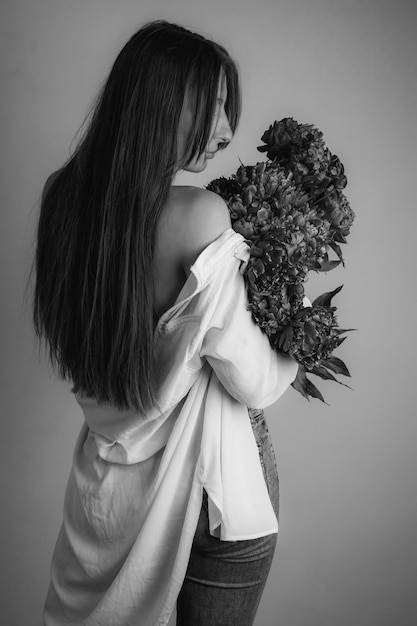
(173,493)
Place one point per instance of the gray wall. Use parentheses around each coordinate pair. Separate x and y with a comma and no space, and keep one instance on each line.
(347,550)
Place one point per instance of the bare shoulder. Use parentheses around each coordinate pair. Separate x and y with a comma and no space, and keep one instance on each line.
(201,217)
(202,207)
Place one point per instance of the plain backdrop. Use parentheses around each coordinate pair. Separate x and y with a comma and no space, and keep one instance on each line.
(347,550)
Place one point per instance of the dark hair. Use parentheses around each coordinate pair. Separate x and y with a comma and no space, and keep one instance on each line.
(93,300)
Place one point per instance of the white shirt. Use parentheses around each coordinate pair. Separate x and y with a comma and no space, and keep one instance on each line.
(134,494)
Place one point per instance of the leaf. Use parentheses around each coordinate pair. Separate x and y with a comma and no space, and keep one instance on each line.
(336,365)
(300,382)
(252,279)
(304,386)
(314,392)
(336,248)
(326,298)
(339,237)
(326,266)
(319,370)
(312,264)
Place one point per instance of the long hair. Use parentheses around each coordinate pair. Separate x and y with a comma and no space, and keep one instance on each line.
(93,298)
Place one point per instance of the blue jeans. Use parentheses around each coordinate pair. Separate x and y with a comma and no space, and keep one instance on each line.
(225,579)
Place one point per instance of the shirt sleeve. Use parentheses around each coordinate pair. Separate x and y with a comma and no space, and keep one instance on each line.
(237,350)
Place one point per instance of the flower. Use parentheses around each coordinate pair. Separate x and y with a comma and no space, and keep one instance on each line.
(292,211)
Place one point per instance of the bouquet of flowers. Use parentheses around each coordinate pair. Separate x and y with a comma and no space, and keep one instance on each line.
(292,211)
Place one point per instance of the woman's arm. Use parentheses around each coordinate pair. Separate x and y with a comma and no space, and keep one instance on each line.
(237,350)
(240,353)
